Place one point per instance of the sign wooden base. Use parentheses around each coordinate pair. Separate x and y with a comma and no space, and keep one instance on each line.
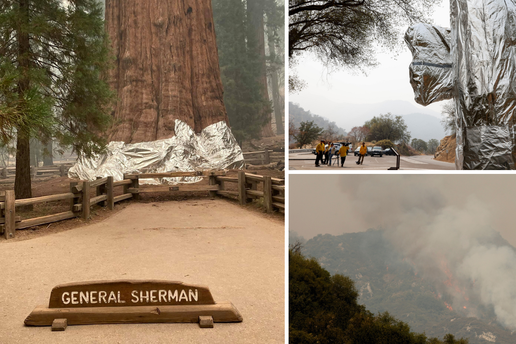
(68,305)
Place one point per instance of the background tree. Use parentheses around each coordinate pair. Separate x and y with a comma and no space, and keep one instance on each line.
(448,122)
(343,33)
(331,132)
(307,133)
(244,65)
(387,127)
(298,115)
(53,56)
(432,145)
(419,145)
(385,144)
(358,134)
(292,130)
(256,39)
(275,27)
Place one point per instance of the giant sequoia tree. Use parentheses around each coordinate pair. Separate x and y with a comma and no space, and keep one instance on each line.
(167,67)
(53,55)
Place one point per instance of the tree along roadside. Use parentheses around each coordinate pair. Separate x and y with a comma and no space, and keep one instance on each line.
(345,33)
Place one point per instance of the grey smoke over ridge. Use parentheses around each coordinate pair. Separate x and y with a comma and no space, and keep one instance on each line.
(448,237)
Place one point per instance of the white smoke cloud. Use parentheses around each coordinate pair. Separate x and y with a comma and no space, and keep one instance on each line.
(452,244)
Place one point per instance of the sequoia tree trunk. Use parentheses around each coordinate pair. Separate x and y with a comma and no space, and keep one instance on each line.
(167,67)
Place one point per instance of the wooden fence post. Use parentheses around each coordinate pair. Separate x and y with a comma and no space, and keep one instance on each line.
(135,184)
(125,186)
(213,181)
(101,190)
(33,171)
(86,200)
(267,193)
(109,192)
(62,170)
(242,197)
(10,222)
(266,157)
(4,172)
(75,200)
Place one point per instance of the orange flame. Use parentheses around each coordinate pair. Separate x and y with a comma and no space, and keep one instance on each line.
(448,306)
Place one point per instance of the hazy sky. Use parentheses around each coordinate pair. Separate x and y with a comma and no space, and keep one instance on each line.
(388,81)
(336,204)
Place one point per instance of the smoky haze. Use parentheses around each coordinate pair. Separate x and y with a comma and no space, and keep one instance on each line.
(446,225)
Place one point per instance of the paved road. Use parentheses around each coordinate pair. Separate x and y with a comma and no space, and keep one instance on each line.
(420,162)
(238,254)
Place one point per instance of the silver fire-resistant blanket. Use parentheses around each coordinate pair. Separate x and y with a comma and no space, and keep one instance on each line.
(214,148)
(482,79)
(431,73)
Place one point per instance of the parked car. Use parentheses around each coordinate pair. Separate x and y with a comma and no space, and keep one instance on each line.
(377,150)
(388,151)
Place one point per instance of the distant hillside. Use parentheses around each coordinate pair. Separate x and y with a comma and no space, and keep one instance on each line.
(389,282)
(424,127)
(422,123)
(298,115)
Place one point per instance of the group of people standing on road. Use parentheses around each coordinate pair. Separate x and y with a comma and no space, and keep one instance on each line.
(325,153)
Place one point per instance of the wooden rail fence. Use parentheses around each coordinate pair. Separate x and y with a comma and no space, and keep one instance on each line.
(273,190)
(7,174)
(85,194)
(264,157)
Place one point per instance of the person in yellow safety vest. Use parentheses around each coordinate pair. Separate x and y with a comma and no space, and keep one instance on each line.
(361,154)
(319,151)
(343,152)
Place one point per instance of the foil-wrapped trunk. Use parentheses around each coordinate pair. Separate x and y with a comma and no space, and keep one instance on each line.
(473,63)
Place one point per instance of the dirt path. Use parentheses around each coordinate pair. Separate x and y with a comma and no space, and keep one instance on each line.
(238,253)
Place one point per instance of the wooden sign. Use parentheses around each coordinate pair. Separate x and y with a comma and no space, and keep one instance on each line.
(129,293)
(110,302)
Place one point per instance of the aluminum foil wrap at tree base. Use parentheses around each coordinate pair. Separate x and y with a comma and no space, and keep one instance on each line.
(482,78)
(214,148)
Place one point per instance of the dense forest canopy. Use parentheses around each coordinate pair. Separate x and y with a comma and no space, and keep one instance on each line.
(250,36)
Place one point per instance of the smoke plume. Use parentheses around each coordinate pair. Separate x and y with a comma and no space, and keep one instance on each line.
(449,239)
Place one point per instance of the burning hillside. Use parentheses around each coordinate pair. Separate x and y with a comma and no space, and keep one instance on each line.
(435,290)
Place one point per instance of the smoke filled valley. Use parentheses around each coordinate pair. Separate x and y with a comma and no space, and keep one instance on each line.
(433,291)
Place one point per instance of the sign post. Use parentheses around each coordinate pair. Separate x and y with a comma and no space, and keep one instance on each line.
(118,302)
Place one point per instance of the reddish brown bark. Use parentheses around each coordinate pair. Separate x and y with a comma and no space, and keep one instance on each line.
(167,67)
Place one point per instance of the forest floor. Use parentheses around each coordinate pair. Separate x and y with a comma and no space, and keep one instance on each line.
(237,252)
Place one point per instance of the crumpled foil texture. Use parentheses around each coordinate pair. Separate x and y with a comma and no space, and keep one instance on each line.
(483,80)
(431,74)
(215,148)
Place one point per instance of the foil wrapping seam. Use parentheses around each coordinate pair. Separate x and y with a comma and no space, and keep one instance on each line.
(431,74)
(481,78)
(214,148)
